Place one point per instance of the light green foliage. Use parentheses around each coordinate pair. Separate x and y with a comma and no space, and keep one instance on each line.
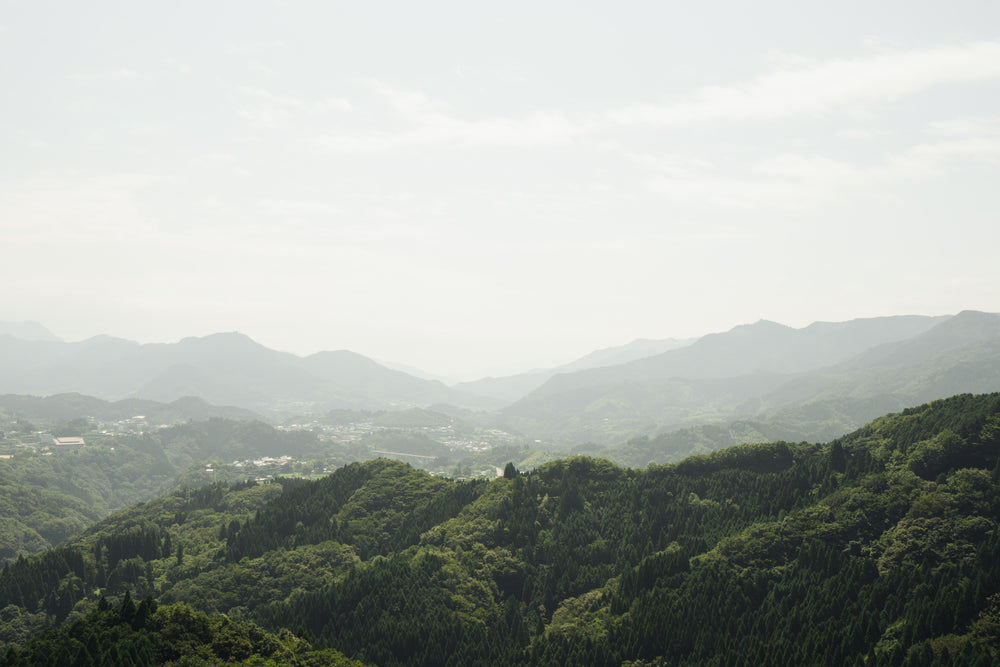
(17,625)
(53,495)
(249,500)
(881,547)
(149,634)
(584,617)
(17,539)
(237,588)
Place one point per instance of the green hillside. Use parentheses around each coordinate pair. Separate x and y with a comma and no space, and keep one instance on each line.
(879,548)
(150,634)
(47,496)
(814,384)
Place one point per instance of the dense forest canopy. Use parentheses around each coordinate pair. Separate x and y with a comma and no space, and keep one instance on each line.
(880,547)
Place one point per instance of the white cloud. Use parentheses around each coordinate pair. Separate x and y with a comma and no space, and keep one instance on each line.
(801,87)
(259,68)
(264,109)
(799,181)
(286,208)
(430,121)
(796,86)
(533,130)
(97,76)
(212,159)
(255,47)
(670,165)
(935,155)
(410,104)
(858,135)
(967,125)
(175,64)
(75,209)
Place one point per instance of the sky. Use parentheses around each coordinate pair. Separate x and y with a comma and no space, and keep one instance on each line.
(483,188)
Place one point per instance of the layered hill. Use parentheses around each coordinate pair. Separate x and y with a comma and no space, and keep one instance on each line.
(881,547)
(26,331)
(814,383)
(762,380)
(46,497)
(513,387)
(222,369)
(59,408)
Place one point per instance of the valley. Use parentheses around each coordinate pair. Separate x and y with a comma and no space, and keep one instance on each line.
(500,334)
(422,532)
(880,546)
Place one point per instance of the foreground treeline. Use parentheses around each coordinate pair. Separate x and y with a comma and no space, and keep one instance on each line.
(150,634)
(880,548)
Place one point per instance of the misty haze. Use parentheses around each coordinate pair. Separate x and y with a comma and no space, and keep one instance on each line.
(529,334)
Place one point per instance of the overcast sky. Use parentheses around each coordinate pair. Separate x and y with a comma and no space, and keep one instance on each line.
(487,187)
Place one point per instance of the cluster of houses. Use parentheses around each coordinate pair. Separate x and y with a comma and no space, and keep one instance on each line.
(63,443)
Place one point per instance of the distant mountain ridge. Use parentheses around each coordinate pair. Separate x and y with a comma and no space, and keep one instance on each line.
(26,331)
(818,379)
(223,369)
(65,407)
(512,387)
(810,376)
(762,347)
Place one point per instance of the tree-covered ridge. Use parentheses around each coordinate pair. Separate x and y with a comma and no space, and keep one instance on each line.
(584,563)
(48,496)
(878,548)
(45,499)
(368,506)
(151,634)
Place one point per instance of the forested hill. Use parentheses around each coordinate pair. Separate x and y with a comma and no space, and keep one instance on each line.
(813,384)
(879,548)
(46,498)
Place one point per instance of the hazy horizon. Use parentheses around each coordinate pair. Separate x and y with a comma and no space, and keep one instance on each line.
(463,375)
(461,188)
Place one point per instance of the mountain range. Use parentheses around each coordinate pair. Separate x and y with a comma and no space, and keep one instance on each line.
(61,408)
(223,369)
(812,383)
(823,380)
(512,387)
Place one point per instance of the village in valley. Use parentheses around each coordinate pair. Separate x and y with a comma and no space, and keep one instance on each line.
(429,440)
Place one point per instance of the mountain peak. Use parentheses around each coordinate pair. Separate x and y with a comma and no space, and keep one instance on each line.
(222,335)
(977,316)
(767,325)
(228,339)
(968,325)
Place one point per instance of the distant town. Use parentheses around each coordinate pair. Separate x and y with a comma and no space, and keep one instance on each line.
(448,447)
